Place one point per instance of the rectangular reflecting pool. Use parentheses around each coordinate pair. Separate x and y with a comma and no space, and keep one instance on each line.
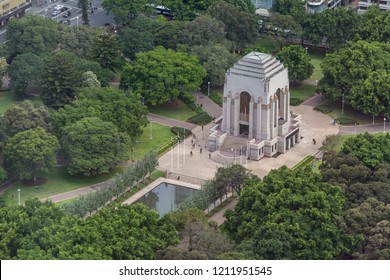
(165,197)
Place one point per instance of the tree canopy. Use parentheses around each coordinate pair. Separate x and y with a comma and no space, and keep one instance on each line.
(297,61)
(161,75)
(41,231)
(32,34)
(23,116)
(358,71)
(94,146)
(30,152)
(292,213)
(125,110)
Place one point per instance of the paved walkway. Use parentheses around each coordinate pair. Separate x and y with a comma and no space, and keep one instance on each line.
(171,122)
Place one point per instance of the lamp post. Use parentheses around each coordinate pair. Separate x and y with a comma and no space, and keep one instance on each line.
(77,21)
(355,128)
(151,129)
(384,125)
(342,105)
(18,197)
(208,88)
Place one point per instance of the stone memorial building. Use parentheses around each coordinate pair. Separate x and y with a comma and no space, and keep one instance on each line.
(256,109)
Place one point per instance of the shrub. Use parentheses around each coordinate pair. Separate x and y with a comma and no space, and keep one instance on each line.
(325,109)
(200,118)
(346,121)
(295,101)
(175,130)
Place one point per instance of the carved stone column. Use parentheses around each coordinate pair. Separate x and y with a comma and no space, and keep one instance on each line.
(258,121)
(250,134)
(237,115)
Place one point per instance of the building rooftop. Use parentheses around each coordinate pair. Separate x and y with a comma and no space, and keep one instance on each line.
(257,65)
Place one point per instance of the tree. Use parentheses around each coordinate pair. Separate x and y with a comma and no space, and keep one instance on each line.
(243,5)
(161,75)
(32,34)
(187,9)
(84,11)
(25,71)
(362,219)
(78,39)
(3,177)
(125,11)
(23,116)
(282,25)
(169,34)
(106,50)
(126,111)
(90,80)
(130,232)
(357,62)
(294,8)
(216,59)
(371,95)
(62,76)
(369,149)
(135,41)
(374,25)
(378,246)
(3,69)
(30,152)
(203,30)
(296,204)
(60,79)
(240,34)
(296,59)
(200,239)
(232,177)
(331,141)
(94,146)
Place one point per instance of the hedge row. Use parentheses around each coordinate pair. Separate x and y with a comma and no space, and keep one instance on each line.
(323,109)
(112,188)
(201,118)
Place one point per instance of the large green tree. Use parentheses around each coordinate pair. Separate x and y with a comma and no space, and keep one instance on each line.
(94,146)
(358,72)
(125,110)
(32,34)
(60,79)
(203,30)
(30,152)
(41,230)
(25,71)
(298,207)
(297,61)
(161,75)
(135,41)
(241,27)
(23,116)
(216,59)
(106,50)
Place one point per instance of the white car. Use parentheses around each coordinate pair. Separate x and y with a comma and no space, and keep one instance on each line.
(54,13)
(58,7)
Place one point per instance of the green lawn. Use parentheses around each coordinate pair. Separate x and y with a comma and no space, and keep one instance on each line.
(303,92)
(6,99)
(161,134)
(180,112)
(349,113)
(269,44)
(58,181)
(316,59)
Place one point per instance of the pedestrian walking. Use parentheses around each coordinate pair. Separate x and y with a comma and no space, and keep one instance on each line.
(202,127)
(200,150)
(314,141)
(209,155)
(191,153)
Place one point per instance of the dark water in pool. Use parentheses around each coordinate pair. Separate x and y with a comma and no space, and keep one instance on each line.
(166,197)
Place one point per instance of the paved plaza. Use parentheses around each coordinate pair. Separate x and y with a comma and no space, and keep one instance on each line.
(314,125)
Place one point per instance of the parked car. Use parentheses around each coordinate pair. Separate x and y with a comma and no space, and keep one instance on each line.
(58,7)
(67,14)
(54,13)
(63,9)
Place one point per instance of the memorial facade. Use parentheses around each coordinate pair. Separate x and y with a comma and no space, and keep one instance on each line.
(256,109)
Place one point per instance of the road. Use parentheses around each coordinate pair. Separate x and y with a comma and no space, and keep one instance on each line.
(96,19)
